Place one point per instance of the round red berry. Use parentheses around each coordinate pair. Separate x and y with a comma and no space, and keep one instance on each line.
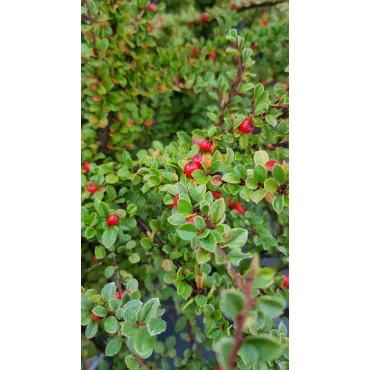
(191,219)
(152,7)
(150,27)
(233,6)
(253,46)
(286,281)
(212,55)
(216,194)
(190,168)
(204,17)
(112,220)
(269,165)
(205,146)
(86,166)
(197,159)
(95,317)
(175,201)
(247,126)
(92,187)
(265,22)
(239,208)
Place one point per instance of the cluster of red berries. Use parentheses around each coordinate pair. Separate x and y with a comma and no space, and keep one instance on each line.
(194,164)
(247,126)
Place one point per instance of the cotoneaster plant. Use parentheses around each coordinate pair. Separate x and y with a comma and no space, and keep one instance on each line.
(177,225)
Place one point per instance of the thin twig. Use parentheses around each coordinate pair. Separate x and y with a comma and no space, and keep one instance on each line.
(231,271)
(188,327)
(118,280)
(233,91)
(92,30)
(146,229)
(140,362)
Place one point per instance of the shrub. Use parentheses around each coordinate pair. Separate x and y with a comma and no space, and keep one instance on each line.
(185,183)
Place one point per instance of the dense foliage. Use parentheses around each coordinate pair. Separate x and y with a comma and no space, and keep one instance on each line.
(185,183)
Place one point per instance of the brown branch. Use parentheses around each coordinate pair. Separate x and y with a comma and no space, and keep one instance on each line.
(140,362)
(92,30)
(240,319)
(93,267)
(265,4)
(231,271)
(118,280)
(188,327)
(233,91)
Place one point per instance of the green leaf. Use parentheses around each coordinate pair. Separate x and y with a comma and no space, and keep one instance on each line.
(241,171)
(238,120)
(258,195)
(260,157)
(100,311)
(156,326)
(132,285)
(278,173)
(278,204)
(109,271)
(232,303)
(176,219)
(131,363)
(111,178)
(184,206)
(149,309)
(111,325)
(113,346)
(231,178)
(132,209)
(143,343)
(109,237)
(209,243)
(261,347)
(260,173)
(271,185)
(252,183)
(236,238)
(134,258)
(258,90)
(91,329)
(272,306)
(90,232)
(100,252)
(218,210)
(187,231)
(223,352)
(108,291)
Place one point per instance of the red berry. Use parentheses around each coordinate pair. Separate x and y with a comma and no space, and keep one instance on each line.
(190,168)
(205,146)
(230,202)
(148,123)
(86,166)
(219,368)
(175,201)
(150,27)
(152,7)
(191,219)
(92,187)
(269,165)
(286,281)
(233,6)
(253,46)
(216,194)
(194,52)
(112,220)
(239,208)
(176,80)
(212,55)
(197,159)
(204,17)
(96,98)
(247,126)
(95,317)
(265,22)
